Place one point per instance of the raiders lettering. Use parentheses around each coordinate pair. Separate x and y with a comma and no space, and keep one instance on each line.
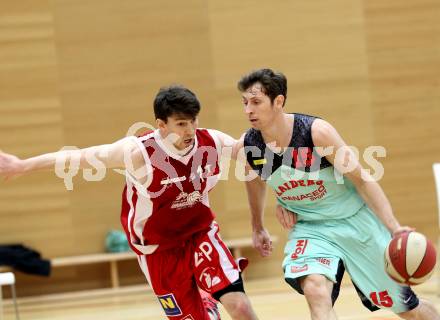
(293,184)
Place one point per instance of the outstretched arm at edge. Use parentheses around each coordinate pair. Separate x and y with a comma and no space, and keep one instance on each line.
(115,155)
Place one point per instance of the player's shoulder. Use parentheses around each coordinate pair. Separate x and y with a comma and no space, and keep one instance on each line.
(205,133)
(141,142)
(206,137)
(210,131)
(322,129)
(304,122)
(325,134)
(221,138)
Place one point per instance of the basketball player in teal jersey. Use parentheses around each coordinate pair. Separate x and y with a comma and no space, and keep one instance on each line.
(343,221)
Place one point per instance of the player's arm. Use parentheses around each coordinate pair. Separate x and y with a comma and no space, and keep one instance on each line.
(229,145)
(115,155)
(286,218)
(345,161)
(256,193)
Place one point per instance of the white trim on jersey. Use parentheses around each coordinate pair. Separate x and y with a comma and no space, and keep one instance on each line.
(148,166)
(171,151)
(143,208)
(140,212)
(218,144)
(226,264)
(131,212)
(142,260)
(211,181)
(225,145)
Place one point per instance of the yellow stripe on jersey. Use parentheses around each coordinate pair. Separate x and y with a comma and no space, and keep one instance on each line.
(260,161)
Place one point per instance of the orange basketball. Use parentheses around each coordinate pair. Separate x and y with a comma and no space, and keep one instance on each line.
(410,258)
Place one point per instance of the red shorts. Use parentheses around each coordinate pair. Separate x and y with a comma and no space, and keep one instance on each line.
(176,274)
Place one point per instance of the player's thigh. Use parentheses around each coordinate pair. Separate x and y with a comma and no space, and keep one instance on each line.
(305,256)
(171,278)
(214,266)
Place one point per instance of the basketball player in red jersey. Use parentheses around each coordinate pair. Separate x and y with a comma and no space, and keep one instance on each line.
(165,208)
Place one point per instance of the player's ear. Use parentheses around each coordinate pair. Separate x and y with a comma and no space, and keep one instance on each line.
(279,101)
(160,124)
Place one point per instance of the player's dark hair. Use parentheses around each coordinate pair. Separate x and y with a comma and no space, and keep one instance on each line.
(176,100)
(273,83)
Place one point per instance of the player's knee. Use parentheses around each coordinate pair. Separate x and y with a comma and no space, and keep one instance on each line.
(236,304)
(316,289)
(241,307)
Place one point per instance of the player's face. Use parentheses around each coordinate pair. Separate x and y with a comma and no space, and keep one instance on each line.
(179,130)
(258,107)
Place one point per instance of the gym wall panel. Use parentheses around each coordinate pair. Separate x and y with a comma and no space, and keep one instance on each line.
(404,62)
(30,123)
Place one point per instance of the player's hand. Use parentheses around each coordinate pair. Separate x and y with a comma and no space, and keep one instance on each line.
(262,242)
(10,166)
(402,229)
(285,217)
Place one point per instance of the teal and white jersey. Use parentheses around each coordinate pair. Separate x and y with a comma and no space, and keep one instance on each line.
(335,228)
(303,182)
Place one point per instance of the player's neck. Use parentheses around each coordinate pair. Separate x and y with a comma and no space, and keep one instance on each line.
(172,148)
(279,133)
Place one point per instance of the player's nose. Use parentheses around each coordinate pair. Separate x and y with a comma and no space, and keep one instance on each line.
(248,108)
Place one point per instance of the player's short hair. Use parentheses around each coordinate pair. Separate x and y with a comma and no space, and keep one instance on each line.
(273,83)
(176,100)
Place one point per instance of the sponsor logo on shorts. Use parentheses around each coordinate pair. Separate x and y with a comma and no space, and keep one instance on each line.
(295,269)
(300,248)
(208,279)
(169,305)
(324,261)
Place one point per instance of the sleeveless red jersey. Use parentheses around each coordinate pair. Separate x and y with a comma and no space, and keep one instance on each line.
(173,204)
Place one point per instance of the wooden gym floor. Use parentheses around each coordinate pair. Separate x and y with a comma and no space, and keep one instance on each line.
(272,299)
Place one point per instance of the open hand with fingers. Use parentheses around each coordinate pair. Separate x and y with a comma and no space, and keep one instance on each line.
(285,217)
(10,166)
(262,242)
